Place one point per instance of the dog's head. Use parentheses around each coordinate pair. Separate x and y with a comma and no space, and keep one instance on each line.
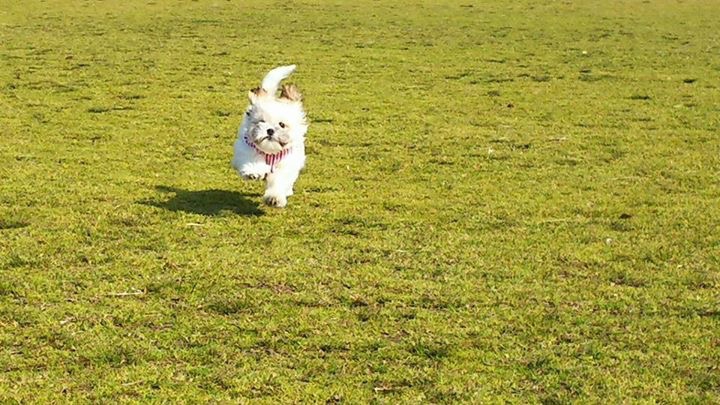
(275,123)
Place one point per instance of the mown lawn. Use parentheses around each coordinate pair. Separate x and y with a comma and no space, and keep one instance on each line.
(503,201)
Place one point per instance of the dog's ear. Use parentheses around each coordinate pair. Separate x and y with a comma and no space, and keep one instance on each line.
(255,94)
(290,92)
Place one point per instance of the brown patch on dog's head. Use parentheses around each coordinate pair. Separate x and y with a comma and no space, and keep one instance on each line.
(290,92)
(256,93)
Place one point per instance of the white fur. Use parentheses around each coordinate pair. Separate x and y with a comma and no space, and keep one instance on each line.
(274,77)
(264,115)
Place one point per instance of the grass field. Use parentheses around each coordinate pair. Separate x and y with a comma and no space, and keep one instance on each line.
(504,201)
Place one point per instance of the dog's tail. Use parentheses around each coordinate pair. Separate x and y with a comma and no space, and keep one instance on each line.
(272,80)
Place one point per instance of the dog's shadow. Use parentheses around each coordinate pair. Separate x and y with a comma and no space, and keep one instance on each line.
(207,202)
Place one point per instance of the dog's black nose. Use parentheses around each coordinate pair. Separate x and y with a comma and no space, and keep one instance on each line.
(270,131)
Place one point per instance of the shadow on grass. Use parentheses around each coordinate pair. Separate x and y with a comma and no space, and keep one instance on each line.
(207,202)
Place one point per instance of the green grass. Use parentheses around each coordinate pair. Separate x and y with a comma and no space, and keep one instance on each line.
(503,201)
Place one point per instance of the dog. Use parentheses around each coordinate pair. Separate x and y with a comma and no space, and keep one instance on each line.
(270,142)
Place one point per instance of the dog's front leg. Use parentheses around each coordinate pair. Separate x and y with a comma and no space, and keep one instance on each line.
(280,186)
(254,170)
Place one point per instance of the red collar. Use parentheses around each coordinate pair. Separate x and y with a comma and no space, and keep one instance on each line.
(270,159)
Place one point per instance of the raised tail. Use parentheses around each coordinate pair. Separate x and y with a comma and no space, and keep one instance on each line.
(272,80)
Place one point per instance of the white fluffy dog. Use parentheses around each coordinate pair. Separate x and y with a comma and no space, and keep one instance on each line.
(271,138)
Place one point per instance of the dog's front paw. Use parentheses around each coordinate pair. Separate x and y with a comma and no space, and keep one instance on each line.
(272,200)
(252,176)
(253,171)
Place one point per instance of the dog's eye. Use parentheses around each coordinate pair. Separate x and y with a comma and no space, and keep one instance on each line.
(282,125)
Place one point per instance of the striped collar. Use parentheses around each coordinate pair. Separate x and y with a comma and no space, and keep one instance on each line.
(270,159)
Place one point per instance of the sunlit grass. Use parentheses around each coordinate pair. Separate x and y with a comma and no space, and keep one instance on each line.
(502,202)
